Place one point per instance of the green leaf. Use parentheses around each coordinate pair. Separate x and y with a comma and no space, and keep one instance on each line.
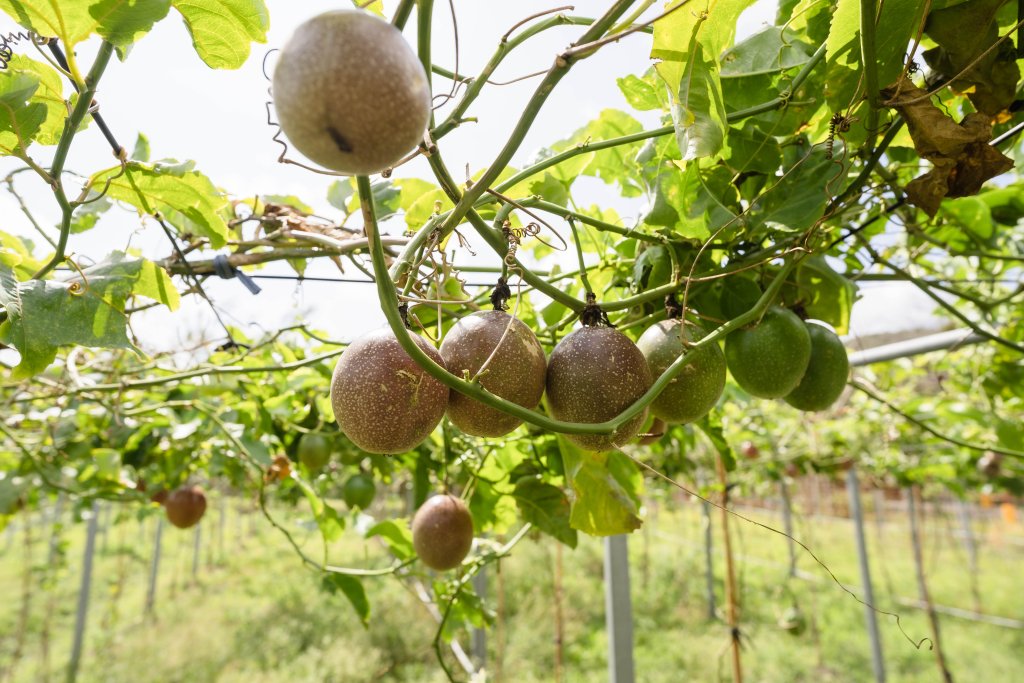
(338,194)
(50,94)
(796,201)
(123,22)
(141,151)
(377,6)
(44,315)
(752,150)
(120,22)
(353,590)
(614,165)
(764,53)
(185,198)
(698,113)
(87,215)
(546,507)
(222,30)
(826,295)
(397,535)
(21,118)
(707,201)
(842,55)
(601,505)
(154,283)
(16,253)
(643,94)
(711,426)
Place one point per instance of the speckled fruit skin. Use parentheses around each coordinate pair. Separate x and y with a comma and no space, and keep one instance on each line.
(350,93)
(185,506)
(768,360)
(593,375)
(442,532)
(696,389)
(383,401)
(826,374)
(516,373)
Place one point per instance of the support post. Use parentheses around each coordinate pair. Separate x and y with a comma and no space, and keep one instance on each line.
(82,613)
(58,511)
(971,545)
(478,639)
(857,513)
(787,525)
(709,564)
(618,609)
(922,585)
(154,567)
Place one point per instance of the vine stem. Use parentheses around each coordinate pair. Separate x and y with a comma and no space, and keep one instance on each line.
(868,17)
(60,156)
(731,595)
(389,305)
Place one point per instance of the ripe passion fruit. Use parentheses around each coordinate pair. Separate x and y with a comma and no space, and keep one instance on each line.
(593,375)
(442,532)
(383,401)
(515,371)
(350,93)
(185,506)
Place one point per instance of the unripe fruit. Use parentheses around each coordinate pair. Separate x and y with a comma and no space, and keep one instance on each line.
(314,451)
(696,389)
(593,375)
(358,491)
(826,374)
(350,93)
(769,359)
(442,532)
(516,372)
(383,401)
(185,506)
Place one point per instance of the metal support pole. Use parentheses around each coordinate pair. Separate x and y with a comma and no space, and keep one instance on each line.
(787,525)
(853,488)
(154,567)
(197,545)
(970,544)
(478,644)
(709,564)
(618,609)
(82,614)
(58,510)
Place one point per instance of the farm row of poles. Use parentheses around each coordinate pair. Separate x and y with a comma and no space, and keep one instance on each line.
(617,582)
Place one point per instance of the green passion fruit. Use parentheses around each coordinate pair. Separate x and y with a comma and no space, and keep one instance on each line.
(350,93)
(442,532)
(696,389)
(826,374)
(769,359)
(593,375)
(314,451)
(516,369)
(359,491)
(383,401)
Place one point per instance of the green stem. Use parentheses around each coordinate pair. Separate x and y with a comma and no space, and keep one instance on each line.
(402,13)
(868,10)
(389,305)
(60,156)
(579,257)
(424,13)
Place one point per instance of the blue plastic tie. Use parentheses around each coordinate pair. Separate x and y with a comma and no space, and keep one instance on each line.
(223,268)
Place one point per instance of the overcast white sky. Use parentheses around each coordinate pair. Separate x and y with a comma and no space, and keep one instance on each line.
(217,118)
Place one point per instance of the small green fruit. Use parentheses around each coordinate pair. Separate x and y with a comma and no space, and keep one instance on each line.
(358,491)
(314,451)
(826,374)
(442,532)
(769,359)
(696,389)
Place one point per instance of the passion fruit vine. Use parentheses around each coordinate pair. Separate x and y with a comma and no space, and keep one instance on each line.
(442,532)
(516,369)
(383,401)
(594,374)
(350,93)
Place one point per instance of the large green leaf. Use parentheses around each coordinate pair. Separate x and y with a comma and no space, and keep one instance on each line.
(842,55)
(185,198)
(222,30)
(16,253)
(327,518)
(50,94)
(353,590)
(825,294)
(614,165)
(44,315)
(698,113)
(602,505)
(21,118)
(546,507)
(121,22)
(764,53)
(796,201)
